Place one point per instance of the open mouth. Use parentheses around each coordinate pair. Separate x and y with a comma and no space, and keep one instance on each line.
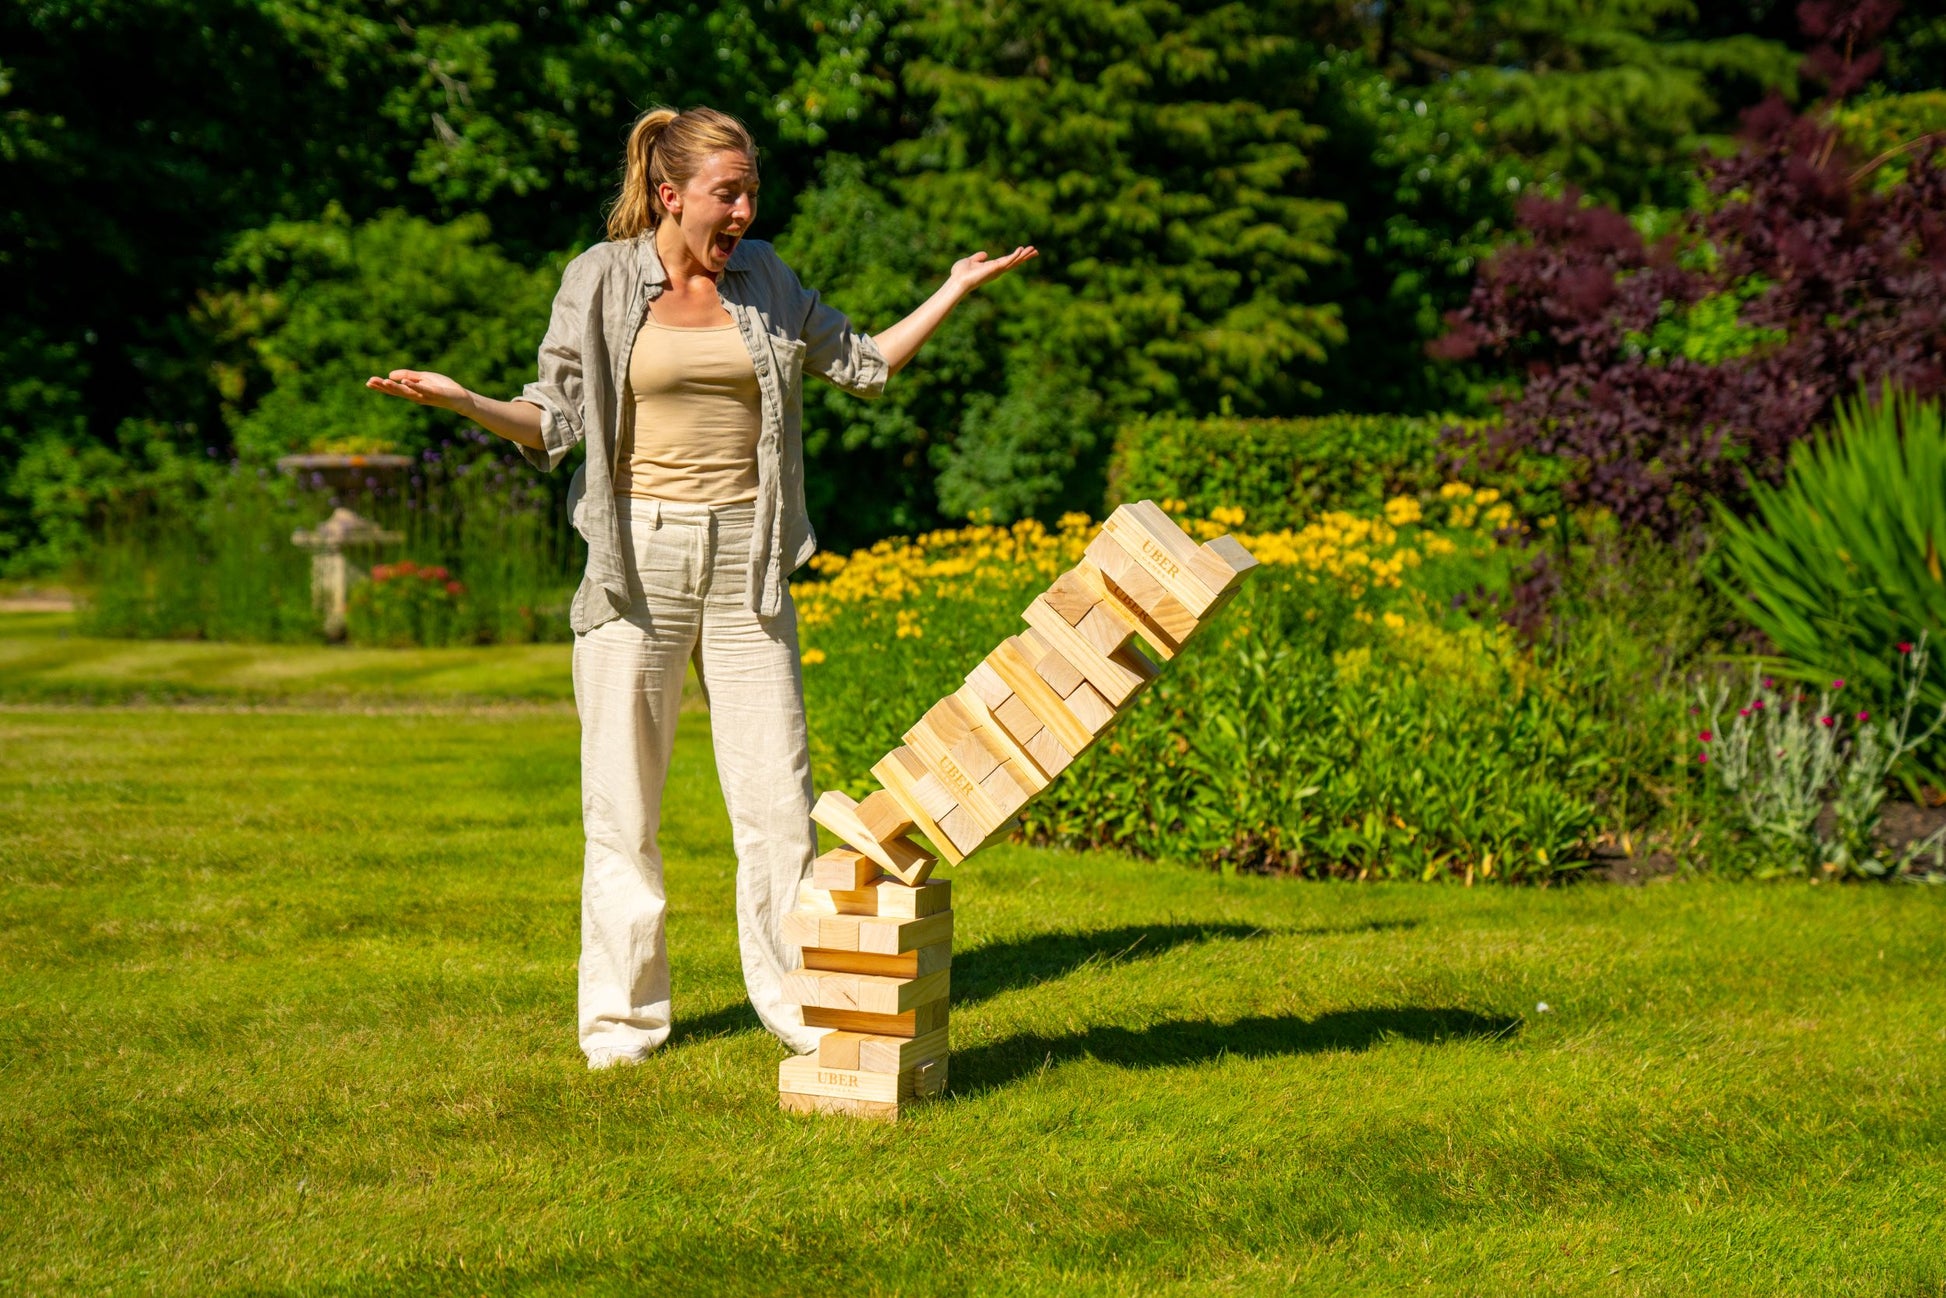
(726,243)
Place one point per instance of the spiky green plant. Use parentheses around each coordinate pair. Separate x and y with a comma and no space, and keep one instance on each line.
(1847,558)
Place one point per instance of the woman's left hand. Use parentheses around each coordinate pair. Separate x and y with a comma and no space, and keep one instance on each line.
(971,272)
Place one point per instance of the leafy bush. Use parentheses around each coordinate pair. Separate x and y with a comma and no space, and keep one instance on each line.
(1279,472)
(405,604)
(1664,376)
(1845,558)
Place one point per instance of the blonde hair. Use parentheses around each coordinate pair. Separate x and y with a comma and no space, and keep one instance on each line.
(667,145)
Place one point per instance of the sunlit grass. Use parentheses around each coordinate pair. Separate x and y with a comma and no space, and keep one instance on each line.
(289,1006)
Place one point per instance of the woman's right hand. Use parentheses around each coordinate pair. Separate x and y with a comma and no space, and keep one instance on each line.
(424,388)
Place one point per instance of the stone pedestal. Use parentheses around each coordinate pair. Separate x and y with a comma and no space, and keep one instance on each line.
(336,561)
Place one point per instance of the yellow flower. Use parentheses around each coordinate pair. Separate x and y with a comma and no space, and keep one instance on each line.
(811,657)
(1401,510)
(1393,621)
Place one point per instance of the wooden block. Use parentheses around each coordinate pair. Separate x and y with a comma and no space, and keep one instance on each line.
(896,1054)
(1094,711)
(1071,598)
(916,1022)
(840,1049)
(889,935)
(1169,555)
(1048,753)
(882,934)
(987,684)
(813,900)
(1017,719)
(970,805)
(1228,551)
(967,833)
(1060,674)
(891,900)
(905,777)
(900,856)
(864,993)
(1012,662)
(1107,628)
(975,756)
(803,1075)
(907,964)
(1011,751)
(1004,787)
(1164,632)
(844,868)
(1125,580)
(870,1054)
(883,818)
(801,927)
(871,1110)
(1117,677)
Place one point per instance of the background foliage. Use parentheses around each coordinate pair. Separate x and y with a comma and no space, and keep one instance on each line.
(1253,210)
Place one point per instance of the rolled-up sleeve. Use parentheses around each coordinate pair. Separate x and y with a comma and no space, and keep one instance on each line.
(557,390)
(845,356)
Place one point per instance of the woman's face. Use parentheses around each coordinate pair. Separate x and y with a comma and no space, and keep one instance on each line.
(716,207)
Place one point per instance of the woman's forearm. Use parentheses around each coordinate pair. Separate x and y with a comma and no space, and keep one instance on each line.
(903,340)
(517,421)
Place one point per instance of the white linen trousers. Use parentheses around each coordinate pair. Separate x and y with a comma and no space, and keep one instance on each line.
(687,566)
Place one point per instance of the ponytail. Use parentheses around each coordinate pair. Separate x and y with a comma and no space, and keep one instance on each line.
(667,145)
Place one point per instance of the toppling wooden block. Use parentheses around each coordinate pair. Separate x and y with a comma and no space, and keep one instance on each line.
(877,950)
(899,856)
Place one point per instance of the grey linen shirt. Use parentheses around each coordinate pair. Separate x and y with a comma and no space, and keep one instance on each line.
(787,328)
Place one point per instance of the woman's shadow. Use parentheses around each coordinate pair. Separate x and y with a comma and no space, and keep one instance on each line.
(997,967)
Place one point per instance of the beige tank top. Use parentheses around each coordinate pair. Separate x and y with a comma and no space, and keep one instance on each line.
(695,415)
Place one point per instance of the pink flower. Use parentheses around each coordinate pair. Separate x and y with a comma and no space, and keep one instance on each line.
(1838,684)
(1905,646)
(1826,721)
(1769,684)
(1757,705)
(1743,712)
(1702,759)
(1864,716)
(1706,736)
(1694,710)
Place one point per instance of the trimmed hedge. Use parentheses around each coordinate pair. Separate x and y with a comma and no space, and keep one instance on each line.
(1280,472)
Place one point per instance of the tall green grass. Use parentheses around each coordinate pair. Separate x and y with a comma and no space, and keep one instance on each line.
(1846,560)
(222,566)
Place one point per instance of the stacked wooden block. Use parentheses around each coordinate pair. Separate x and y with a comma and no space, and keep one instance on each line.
(876,929)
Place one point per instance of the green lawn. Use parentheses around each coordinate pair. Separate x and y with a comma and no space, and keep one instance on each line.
(288,1005)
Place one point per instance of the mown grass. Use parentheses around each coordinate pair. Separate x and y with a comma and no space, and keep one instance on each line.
(288,1006)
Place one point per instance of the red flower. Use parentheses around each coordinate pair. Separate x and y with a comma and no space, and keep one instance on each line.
(383,572)
(1825,721)
(454,588)
(435,573)
(1769,684)
(405,567)
(1905,646)
(1864,716)
(1838,684)
(1743,712)
(1757,705)
(1702,759)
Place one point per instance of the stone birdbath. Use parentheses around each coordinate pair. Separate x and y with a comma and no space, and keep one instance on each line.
(341,546)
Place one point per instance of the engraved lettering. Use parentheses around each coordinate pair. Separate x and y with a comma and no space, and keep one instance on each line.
(1159,559)
(962,786)
(837,1079)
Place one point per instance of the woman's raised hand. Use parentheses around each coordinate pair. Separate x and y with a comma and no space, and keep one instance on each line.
(971,272)
(421,387)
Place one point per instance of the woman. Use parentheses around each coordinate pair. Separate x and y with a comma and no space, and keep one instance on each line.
(676,354)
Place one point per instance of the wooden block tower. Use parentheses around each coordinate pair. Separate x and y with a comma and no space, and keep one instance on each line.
(876,929)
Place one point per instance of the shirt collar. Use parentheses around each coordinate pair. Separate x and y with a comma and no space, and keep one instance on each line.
(649,262)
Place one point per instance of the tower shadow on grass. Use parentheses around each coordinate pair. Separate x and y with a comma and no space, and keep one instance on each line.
(1194,1041)
(986,971)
